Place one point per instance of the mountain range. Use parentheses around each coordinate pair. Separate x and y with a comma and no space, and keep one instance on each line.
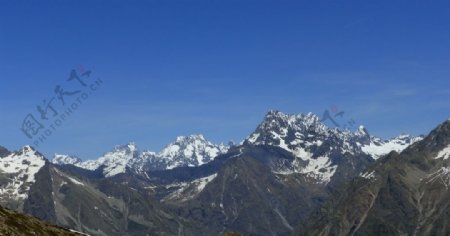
(188,151)
(292,175)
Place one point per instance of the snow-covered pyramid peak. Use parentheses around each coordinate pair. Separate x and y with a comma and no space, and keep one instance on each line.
(193,150)
(28,150)
(115,161)
(21,167)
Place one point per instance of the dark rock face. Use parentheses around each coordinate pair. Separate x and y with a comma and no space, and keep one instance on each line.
(40,201)
(4,152)
(247,197)
(108,206)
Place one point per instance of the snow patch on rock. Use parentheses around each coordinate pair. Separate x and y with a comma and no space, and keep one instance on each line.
(188,190)
(368,175)
(378,148)
(442,176)
(444,153)
(71,179)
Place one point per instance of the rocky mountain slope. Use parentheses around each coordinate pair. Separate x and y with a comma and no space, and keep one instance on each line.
(402,194)
(15,224)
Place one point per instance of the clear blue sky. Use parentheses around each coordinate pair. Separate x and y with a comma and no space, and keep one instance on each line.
(216,67)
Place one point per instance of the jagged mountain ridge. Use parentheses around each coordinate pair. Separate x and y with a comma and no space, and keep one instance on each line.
(321,147)
(299,133)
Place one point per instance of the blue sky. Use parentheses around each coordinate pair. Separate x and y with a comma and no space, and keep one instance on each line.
(216,67)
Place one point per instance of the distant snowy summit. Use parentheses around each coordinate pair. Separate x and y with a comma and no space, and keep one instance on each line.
(190,151)
(61,159)
(185,151)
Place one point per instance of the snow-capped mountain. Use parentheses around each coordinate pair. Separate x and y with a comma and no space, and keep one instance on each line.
(18,173)
(61,159)
(317,145)
(113,162)
(191,151)
(300,133)
(306,138)
(185,151)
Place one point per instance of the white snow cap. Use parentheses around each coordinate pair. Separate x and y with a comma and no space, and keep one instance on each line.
(61,159)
